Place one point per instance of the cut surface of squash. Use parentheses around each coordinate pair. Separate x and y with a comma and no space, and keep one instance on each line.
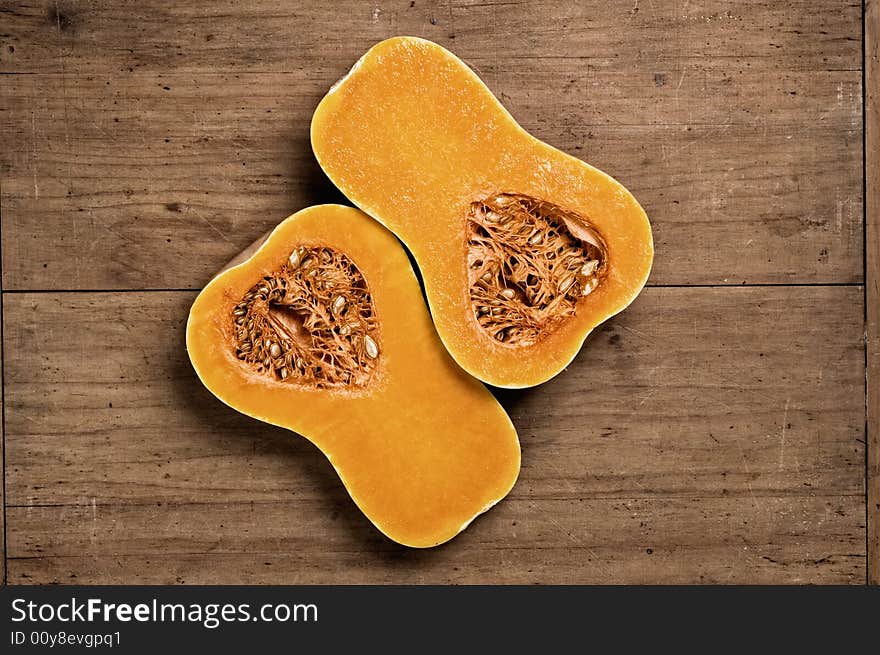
(523,249)
(323,330)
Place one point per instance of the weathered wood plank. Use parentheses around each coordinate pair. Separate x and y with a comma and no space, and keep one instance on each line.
(872,288)
(51,35)
(166,133)
(2,449)
(807,539)
(105,415)
(115,181)
(716,412)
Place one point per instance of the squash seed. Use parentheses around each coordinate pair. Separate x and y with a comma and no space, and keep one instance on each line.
(370,347)
(566,283)
(295,258)
(590,267)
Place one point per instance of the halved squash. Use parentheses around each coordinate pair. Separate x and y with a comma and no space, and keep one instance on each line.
(523,249)
(323,330)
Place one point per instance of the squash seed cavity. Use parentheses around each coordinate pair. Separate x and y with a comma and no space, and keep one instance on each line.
(311,322)
(529,263)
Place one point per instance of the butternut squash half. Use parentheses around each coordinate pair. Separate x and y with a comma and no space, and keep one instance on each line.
(523,249)
(323,331)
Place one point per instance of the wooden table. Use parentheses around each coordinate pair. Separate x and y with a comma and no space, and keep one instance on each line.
(715,432)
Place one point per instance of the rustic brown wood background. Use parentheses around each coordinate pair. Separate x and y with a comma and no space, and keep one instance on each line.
(714,432)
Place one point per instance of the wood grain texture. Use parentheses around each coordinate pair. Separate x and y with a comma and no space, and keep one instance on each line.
(693,540)
(710,435)
(141,133)
(267,35)
(2,443)
(872,274)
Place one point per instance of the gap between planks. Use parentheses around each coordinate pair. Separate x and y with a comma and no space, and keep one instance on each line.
(4,572)
(871,259)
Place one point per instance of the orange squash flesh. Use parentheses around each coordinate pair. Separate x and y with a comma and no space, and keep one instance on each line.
(422,448)
(413,137)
